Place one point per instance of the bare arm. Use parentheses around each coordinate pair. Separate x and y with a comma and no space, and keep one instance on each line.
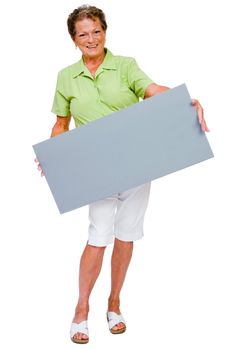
(61,125)
(154,89)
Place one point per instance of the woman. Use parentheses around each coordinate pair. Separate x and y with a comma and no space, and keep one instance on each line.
(99,84)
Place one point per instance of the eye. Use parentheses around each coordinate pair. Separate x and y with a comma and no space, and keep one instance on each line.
(81,35)
(97,31)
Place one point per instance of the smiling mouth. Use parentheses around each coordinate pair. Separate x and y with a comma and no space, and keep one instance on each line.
(91,46)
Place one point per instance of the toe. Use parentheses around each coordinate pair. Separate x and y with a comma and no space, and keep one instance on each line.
(77,336)
(119,325)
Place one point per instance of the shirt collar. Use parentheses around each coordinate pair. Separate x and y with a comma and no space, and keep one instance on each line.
(108,63)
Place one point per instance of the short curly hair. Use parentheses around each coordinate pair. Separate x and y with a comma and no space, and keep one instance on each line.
(85,11)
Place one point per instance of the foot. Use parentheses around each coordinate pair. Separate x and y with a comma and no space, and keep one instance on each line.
(81,314)
(113,305)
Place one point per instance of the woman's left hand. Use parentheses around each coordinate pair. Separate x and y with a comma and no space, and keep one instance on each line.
(200,113)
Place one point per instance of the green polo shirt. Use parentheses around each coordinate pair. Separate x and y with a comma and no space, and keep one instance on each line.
(118,83)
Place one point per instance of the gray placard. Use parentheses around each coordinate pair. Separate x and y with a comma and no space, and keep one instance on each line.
(145,141)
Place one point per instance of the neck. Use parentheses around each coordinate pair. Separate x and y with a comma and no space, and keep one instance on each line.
(94,61)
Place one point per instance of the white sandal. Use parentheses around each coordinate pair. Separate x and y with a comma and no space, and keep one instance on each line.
(81,327)
(113,319)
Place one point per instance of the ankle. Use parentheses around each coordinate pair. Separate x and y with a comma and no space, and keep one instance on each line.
(82,307)
(114,301)
(114,297)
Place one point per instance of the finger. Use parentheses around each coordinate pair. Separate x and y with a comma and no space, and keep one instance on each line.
(196,102)
(204,126)
(199,110)
(200,113)
(36,160)
(39,167)
(42,173)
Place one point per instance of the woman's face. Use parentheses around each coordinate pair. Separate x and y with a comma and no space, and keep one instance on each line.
(90,37)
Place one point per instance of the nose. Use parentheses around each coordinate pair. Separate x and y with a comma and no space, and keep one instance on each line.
(90,38)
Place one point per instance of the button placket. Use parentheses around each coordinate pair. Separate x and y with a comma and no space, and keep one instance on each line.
(97,90)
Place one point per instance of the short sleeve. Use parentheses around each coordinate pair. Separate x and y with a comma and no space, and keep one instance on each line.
(138,80)
(61,104)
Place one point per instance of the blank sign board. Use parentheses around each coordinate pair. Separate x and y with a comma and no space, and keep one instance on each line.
(125,149)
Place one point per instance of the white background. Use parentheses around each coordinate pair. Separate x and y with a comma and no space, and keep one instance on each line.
(180,291)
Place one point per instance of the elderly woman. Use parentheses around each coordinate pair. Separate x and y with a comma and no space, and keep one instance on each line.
(95,86)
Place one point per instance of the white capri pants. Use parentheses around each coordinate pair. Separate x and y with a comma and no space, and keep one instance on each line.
(120,216)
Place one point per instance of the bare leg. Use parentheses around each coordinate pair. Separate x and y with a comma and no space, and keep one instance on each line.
(121,257)
(90,267)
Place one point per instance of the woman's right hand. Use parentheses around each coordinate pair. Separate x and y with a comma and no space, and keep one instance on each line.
(39,167)
(61,125)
